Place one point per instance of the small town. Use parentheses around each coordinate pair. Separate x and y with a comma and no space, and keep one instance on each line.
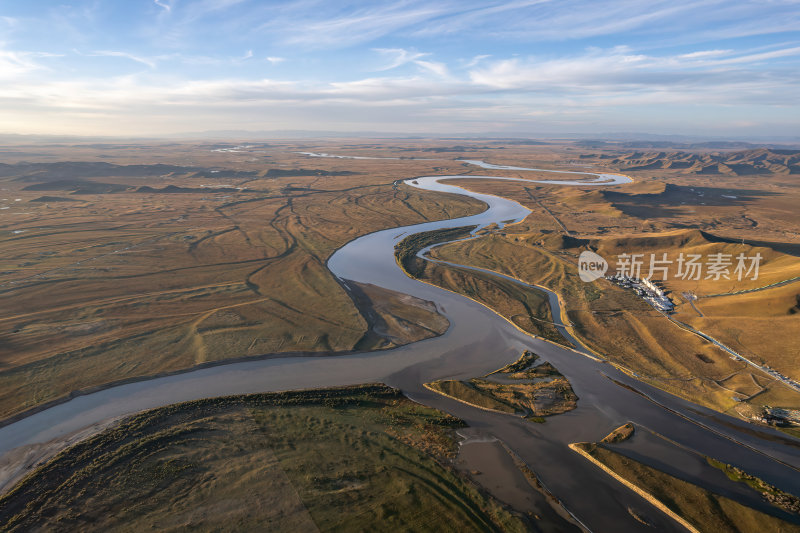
(645,288)
(777,416)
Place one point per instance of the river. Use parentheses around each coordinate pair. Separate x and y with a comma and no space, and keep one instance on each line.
(478,341)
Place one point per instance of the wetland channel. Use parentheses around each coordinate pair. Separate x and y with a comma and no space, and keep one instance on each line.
(477,342)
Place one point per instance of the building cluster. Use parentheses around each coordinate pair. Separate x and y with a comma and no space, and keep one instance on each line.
(786,379)
(777,416)
(646,289)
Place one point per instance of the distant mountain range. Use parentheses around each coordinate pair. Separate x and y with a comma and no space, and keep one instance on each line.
(611,140)
(674,145)
(741,163)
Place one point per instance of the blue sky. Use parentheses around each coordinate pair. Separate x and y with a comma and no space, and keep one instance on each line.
(145,67)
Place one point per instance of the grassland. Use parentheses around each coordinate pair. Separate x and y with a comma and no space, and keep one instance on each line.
(531,391)
(122,261)
(621,434)
(464,391)
(525,307)
(700,508)
(615,323)
(772,494)
(229,262)
(526,368)
(354,459)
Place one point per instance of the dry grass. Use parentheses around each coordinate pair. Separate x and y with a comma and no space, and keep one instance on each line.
(538,398)
(610,320)
(622,433)
(534,391)
(527,308)
(663,211)
(363,458)
(703,509)
(114,285)
(130,284)
(467,393)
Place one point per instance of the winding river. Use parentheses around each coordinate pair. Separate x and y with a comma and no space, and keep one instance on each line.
(478,341)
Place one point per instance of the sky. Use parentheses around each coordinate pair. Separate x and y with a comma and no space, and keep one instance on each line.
(719,68)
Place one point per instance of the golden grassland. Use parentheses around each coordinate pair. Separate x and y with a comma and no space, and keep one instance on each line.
(621,434)
(359,458)
(611,321)
(527,308)
(465,392)
(701,509)
(532,391)
(543,250)
(220,252)
(536,399)
(127,284)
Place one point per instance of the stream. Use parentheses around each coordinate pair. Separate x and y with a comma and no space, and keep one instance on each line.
(477,342)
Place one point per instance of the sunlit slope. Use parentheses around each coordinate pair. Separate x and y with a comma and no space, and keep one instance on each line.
(363,458)
(125,284)
(624,328)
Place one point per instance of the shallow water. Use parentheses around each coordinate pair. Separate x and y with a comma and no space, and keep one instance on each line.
(477,342)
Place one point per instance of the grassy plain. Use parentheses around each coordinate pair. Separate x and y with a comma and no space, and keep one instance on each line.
(672,212)
(126,260)
(193,257)
(532,391)
(527,308)
(354,459)
(613,322)
(701,508)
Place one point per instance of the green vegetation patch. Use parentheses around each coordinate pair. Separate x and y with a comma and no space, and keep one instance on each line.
(772,494)
(467,393)
(703,509)
(526,307)
(406,250)
(621,434)
(539,391)
(523,368)
(350,459)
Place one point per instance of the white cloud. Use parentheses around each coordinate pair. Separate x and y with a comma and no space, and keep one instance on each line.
(397,57)
(703,54)
(440,69)
(163,4)
(559,81)
(763,56)
(620,71)
(14,64)
(149,102)
(113,53)
(477,59)
(356,26)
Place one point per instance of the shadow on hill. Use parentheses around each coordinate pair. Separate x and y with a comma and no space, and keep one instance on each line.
(667,203)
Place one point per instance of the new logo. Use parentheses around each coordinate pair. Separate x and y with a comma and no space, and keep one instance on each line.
(591,266)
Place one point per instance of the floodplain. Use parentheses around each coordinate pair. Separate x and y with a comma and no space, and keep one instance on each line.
(121,263)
